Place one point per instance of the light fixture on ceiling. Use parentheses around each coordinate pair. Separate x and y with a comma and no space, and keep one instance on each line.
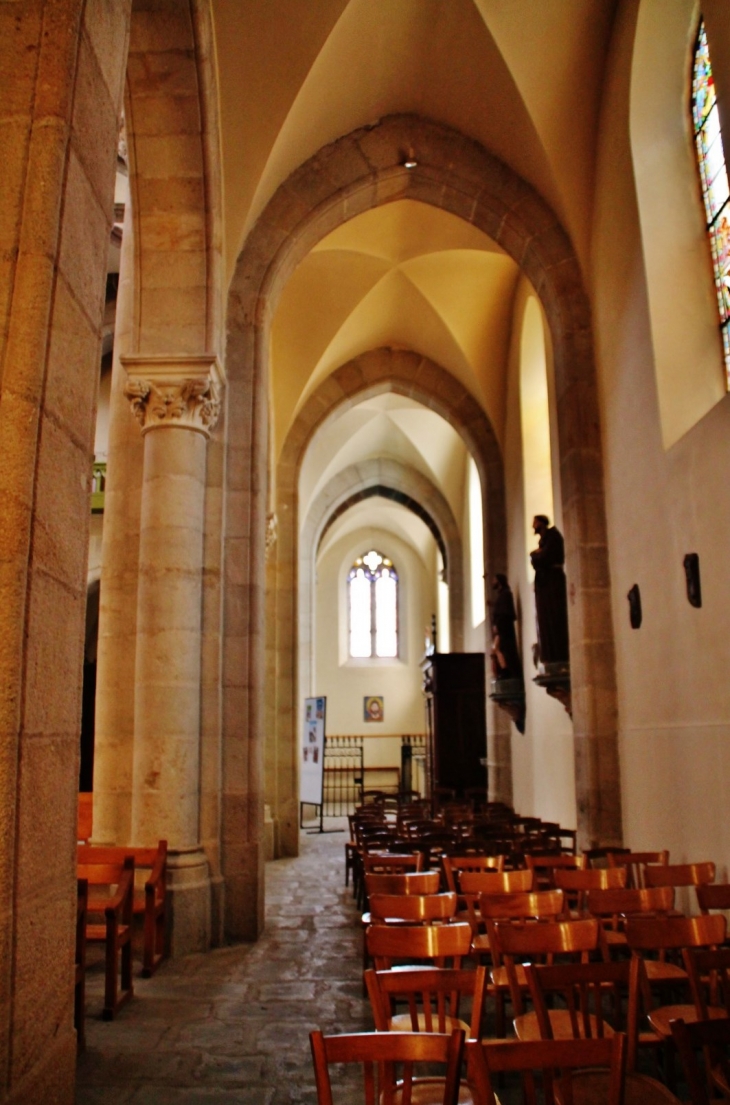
(410,161)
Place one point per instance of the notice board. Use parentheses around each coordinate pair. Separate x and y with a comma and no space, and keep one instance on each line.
(311,774)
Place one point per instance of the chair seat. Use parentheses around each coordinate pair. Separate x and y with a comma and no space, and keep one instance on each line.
(656,971)
(590,1087)
(615,939)
(527,1027)
(480,944)
(659,1018)
(401,1022)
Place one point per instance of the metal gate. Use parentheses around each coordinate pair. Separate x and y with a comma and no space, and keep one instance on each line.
(343,775)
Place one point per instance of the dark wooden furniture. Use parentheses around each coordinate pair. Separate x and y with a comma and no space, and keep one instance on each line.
(456,721)
(116,881)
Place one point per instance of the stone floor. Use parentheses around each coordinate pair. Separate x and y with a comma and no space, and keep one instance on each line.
(233,1025)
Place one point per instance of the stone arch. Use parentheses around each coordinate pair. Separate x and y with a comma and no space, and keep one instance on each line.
(353,174)
(349,486)
(406,373)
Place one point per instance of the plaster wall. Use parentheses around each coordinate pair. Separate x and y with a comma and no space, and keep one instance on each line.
(661,504)
(346,682)
(542,757)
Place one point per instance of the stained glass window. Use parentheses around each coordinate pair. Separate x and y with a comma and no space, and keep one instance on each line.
(373,600)
(713,174)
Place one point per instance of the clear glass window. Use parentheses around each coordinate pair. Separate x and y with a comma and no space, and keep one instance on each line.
(373,603)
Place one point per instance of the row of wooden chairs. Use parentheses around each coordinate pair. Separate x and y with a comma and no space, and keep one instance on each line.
(584,885)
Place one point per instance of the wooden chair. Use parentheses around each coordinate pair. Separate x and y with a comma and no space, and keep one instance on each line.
(613,906)
(708,971)
(82,901)
(714,895)
(598,857)
(417,883)
(545,905)
(378,1053)
(150,900)
(545,865)
(543,941)
(433,997)
(475,883)
(577,882)
(713,1038)
(417,943)
(635,862)
(116,930)
(566,1067)
(583,989)
(661,934)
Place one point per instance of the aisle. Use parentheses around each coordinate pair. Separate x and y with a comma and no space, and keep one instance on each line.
(232,1026)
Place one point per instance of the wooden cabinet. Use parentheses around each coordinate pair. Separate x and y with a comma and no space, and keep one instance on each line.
(456,721)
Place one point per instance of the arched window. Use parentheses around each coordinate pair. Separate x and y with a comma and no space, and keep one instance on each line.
(373,602)
(713,174)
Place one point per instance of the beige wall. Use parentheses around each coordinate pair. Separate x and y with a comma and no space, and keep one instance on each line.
(661,504)
(346,682)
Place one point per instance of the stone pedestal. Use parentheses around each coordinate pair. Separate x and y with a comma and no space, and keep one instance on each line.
(177,401)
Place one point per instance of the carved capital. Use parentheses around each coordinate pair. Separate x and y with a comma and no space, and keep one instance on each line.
(182,391)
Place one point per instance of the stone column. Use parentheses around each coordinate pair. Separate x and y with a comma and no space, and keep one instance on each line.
(177,401)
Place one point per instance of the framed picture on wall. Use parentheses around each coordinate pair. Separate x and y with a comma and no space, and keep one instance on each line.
(374,707)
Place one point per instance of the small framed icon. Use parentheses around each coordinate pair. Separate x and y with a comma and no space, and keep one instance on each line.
(374,707)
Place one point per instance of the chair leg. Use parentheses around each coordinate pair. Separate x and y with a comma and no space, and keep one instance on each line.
(127,983)
(111,964)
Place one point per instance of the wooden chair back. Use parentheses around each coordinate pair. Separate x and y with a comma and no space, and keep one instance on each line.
(411,882)
(415,908)
(391,863)
(558,1061)
(433,998)
(455,866)
(679,874)
(713,895)
(115,906)
(416,943)
(544,905)
(495,882)
(663,933)
(636,861)
(379,1053)
(712,1037)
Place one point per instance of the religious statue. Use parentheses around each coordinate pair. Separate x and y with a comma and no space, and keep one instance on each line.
(551,602)
(506,661)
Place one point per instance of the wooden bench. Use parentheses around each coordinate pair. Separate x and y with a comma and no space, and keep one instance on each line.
(117,881)
(149,900)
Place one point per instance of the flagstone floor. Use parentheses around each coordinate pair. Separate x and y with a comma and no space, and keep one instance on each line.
(232,1026)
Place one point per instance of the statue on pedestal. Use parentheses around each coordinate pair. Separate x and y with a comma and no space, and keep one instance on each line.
(506,661)
(551,600)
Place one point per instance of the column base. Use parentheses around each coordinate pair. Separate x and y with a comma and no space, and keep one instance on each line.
(189,890)
(217,911)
